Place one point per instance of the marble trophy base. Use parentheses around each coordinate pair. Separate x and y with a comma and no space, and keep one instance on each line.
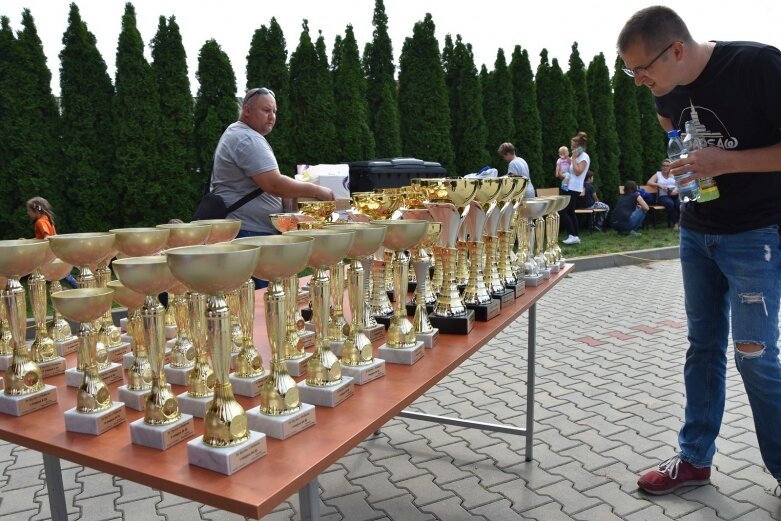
(562,263)
(136,400)
(485,312)
(127,359)
(177,375)
(545,273)
(363,374)
(302,298)
(227,460)
(518,289)
(116,354)
(249,387)
(123,324)
(505,298)
(307,339)
(170,332)
(309,326)
(412,307)
(95,423)
(385,320)
(554,268)
(454,325)
(162,437)
(429,339)
(283,426)
(533,280)
(329,395)
(27,403)
(403,355)
(376,333)
(5,361)
(194,406)
(297,366)
(52,367)
(337,346)
(109,375)
(67,346)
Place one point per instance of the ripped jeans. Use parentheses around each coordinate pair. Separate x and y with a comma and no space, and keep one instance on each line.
(731,279)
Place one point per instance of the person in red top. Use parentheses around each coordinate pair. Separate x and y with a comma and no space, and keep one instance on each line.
(40,211)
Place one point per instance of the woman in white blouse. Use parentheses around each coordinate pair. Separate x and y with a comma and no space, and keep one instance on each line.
(667,193)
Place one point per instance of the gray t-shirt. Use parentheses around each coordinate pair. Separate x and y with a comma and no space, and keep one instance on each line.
(240,154)
(519,168)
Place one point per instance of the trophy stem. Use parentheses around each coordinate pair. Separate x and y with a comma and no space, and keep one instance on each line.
(389,258)
(5,331)
(550,255)
(421,322)
(366,264)
(42,349)
(139,374)
(357,349)
(336,320)
(59,329)
(111,335)
(401,334)
(380,303)
(462,264)
(475,292)
(539,242)
(495,284)
(233,303)
(23,375)
(161,406)
(248,362)
(323,367)
(200,381)
(449,302)
(93,395)
(438,276)
(293,347)
(279,394)
(182,354)
(506,273)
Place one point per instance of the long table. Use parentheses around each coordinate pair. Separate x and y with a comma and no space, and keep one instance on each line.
(290,466)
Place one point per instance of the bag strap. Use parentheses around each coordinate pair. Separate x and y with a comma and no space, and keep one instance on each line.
(244,200)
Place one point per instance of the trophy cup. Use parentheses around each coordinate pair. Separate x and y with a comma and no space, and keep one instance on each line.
(109,335)
(95,412)
(539,237)
(357,351)
(42,350)
(59,329)
(6,347)
(163,424)
(24,390)
(227,444)
(281,413)
(444,198)
(401,346)
(481,249)
(324,383)
(553,252)
(531,210)
(139,372)
(84,250)
(221,230)
(511,195)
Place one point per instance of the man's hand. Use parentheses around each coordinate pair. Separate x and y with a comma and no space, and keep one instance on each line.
(706,162)
(324,194)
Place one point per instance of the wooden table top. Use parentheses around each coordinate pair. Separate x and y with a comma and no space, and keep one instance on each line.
(290,464)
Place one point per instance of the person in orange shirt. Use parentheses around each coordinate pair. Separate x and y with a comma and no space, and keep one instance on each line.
(40,211)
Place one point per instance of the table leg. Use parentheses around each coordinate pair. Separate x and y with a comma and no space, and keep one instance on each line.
(309,501)
(531,348)
(53,473)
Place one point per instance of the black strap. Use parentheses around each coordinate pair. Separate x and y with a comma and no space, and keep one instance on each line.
(244,200)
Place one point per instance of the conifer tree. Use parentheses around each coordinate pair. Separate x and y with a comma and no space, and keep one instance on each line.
(584,120)
(355,138)
(528,128)
(86,97)
(336,56)
(498,108)
(137,116)
(630,165)
(600,95)
(423,100)
(267,67)
(468,129)
(652,136)
(182,187)
(216,105)
(381,90)
(556,105)
(311,98)
(7,177)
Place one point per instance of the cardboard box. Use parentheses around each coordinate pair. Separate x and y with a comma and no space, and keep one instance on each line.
(335,177)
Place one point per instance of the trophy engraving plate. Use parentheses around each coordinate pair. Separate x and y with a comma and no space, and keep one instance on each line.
(403,356)
(297,366)
(283,426)
(454,325)
(376,333)
(110,375)
(52,367)
(67,346)
(429,339)
(95,423)
(193,406)
(227,460)
(363,374)
(249,387)
(25,404)
(133,399)
(117,354)
(486,312)
(328,396)
(177,375)
(162,437)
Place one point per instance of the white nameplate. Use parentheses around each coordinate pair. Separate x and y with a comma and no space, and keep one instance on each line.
(429,339)
(329,395)
(67,346)
(363,374)
(162,437)
(403,356)
(194,406)
(227,460)
(283,426)
(95,423)
(136,400)
(297,366)
(52,367)
(27,403)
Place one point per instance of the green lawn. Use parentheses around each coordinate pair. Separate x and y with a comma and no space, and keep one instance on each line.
(608,241)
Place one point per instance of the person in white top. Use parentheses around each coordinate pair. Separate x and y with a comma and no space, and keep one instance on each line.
(667,193)
(517,167)
(580,165)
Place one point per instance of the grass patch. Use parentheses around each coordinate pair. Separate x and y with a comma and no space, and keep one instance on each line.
(608,241)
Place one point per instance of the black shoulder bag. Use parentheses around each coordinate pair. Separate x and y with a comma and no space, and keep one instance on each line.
(213,207)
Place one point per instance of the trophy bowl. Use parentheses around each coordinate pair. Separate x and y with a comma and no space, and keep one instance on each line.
(446,190)
(137,242)
(20,257)
(534,208)
(83,305)
(510,186)
(148,275)
(377,205)
(412,198)
(367,238)
(404,234)
(222,230)
(563,202)
(126,296)
(185,234)
(81,249)
(487,189)
(212,268)
(287,222)
(431,237)
(329,246)
(318,210)
(55,270)
(280,255)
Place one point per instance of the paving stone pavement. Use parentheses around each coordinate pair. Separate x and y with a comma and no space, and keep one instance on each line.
(608,405)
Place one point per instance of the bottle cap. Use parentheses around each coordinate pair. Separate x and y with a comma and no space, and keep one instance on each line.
(673,133)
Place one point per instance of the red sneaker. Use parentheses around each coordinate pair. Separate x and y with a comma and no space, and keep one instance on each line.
(671,475)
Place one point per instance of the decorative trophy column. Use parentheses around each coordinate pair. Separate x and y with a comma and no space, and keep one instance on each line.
(531,210)
(24,390)
(227,444)
(58,328)
(109,335)
(513,191)
(43,350)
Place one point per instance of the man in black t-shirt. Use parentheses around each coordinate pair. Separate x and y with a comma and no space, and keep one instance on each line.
(730,255)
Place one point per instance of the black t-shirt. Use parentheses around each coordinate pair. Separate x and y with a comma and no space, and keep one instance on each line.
(625,206)
(587,199)
(737,100)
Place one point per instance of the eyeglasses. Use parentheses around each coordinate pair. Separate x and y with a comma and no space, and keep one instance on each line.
(644,70)
(258,90)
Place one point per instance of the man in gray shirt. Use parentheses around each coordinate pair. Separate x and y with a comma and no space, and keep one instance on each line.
(244,162)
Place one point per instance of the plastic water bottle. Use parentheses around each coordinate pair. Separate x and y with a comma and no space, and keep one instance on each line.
(688,189)
(709,190)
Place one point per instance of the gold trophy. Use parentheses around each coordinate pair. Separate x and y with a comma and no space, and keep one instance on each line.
(95,412)
(42,350)
(139,372)
(109,335)
(221,230)
(512,194)
(357,352)
(163,424)
(24,390)
(553,253)
(444,198)
(529,213)
(59,329)
(227,443)
(539,226)
(6,347)
(324,383)
(281,413)
(402,346)
(84,250)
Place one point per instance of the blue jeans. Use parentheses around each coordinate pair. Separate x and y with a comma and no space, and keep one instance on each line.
(671,206)
(634,222)
(259,283)
(732,280)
